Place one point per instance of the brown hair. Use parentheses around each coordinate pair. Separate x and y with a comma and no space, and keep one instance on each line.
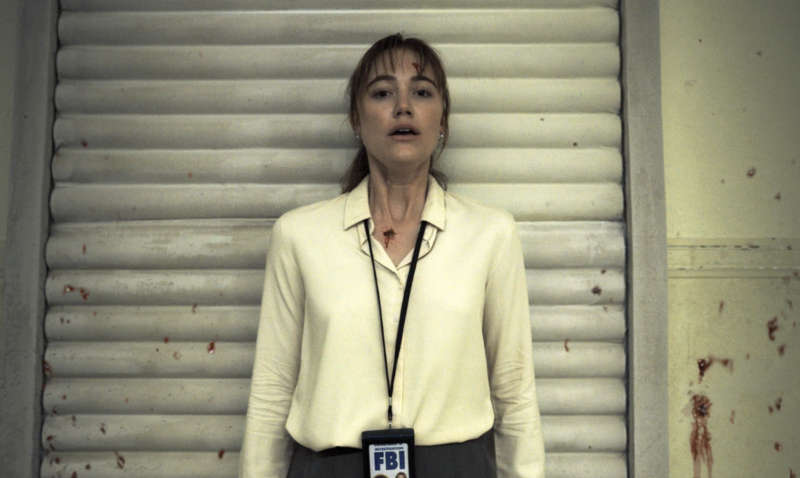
(427,56)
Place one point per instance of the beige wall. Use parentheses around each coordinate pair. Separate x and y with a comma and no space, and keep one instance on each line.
(8,36)
(731,111)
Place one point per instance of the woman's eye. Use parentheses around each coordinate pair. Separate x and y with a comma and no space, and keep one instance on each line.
(380,93)
(424,93)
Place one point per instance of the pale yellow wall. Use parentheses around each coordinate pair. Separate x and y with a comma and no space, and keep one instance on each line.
(731,106)
(8,36)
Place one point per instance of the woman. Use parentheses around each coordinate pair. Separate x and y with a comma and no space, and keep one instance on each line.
(338,275)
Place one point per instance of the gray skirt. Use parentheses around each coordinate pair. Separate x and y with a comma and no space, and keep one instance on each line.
(471,459)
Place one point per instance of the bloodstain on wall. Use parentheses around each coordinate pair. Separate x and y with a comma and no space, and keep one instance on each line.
(176,355)
(596,290)
(74,474)
(103,428)
(704,364)
(778,446)
(700,438)
(772,326)
(211,347)
(47,370)
(221,454)
(733,416)
(781,350)
(120,460)
(791,474)
(566,346)
(778,403)
(166,340)
(751,172)
(721,306)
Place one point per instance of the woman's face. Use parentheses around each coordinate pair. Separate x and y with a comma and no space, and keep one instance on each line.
(400,114)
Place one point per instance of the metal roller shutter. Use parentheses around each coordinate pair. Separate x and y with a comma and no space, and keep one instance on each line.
(184,128)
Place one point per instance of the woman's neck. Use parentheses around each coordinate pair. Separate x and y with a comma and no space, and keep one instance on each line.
(396,199)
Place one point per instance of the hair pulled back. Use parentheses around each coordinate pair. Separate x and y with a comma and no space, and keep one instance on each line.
(383,51)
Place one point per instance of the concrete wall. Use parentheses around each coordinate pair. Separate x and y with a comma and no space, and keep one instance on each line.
(731,111)
(8,42)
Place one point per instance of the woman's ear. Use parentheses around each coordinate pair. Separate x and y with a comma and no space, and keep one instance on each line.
(355,124)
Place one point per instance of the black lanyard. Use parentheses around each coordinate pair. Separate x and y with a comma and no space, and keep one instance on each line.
(403,309)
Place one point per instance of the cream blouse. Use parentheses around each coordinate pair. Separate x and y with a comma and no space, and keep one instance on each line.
(466,361)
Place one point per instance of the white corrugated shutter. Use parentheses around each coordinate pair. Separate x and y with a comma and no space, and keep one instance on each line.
(184,128)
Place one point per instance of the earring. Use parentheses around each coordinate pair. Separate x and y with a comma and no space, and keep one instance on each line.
(358,137)
(441,137)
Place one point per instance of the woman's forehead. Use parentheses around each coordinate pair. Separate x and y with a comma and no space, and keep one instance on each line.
(390,61)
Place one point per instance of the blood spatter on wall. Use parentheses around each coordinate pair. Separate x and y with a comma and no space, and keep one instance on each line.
(120,460)
(211,347)
(703,364)
(566,345)
(751,172)
(772,327)
(778,446)
(792,474)
(721,306)
(221,454)
(700,438)
(596,290)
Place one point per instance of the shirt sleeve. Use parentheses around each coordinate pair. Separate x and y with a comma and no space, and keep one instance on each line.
(266,448)
(519,445)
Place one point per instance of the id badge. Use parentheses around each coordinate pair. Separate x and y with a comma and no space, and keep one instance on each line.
(388,453)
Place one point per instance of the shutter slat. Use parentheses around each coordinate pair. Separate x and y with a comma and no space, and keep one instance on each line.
(562,433)
(151,359)
(286,166)
(468,95)
(325,27)
(325,131)
(203,62)
(190,323)
(244,287)
(195,323)
(243,244)
(235,359)
(227,5)
(544,202)
(225,464)
(229,396)
(141,464)
(604,323)
(576,286)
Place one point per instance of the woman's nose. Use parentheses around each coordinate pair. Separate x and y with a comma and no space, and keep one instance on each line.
(403,105)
